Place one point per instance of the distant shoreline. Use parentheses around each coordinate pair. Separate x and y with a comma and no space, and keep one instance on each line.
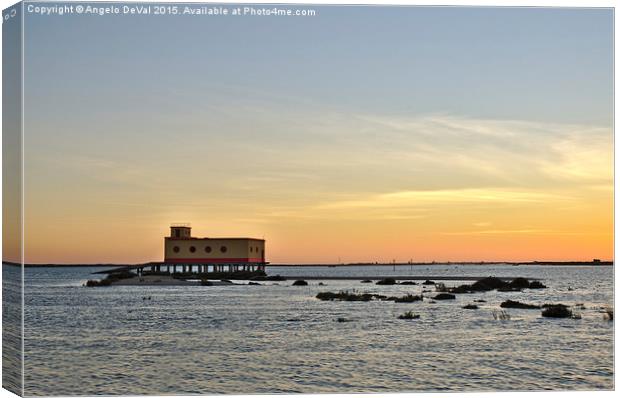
(546,263)
(450,263)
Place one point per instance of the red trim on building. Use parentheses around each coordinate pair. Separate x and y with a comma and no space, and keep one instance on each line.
(212,260)
(196,238)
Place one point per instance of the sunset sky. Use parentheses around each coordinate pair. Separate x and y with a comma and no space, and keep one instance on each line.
(360,134)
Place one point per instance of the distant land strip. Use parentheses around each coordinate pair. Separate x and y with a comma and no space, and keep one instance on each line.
(450,263)
(402,278)
(434,263)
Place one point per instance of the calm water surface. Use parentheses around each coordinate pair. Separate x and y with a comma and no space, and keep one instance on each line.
(279,338)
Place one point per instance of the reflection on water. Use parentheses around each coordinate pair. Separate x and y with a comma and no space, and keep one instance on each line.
(279,338)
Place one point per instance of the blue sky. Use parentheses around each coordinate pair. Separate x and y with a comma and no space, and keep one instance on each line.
(510,63)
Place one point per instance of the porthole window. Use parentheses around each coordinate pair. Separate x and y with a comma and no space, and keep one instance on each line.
(223,249)
(176,249)
(251,248)
(192,249)
(208,249)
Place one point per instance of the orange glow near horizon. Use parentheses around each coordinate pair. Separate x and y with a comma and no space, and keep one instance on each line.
(476,190)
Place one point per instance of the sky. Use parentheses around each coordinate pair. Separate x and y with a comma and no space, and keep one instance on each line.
(361,134)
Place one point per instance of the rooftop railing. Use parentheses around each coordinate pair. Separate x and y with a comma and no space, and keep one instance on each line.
(181,224)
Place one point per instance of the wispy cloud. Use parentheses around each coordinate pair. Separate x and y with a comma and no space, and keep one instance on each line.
(438,151)
(462,196)
(527,231)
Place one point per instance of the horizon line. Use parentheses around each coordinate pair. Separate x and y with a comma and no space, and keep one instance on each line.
(365,263)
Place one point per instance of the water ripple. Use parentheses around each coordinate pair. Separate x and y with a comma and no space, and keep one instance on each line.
(280,339)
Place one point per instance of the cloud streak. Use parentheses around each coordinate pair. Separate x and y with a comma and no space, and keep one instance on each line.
(404,199)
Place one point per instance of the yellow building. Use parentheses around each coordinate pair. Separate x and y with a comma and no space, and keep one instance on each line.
(181,248)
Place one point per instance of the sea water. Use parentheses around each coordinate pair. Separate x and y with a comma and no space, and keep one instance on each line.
(278,338)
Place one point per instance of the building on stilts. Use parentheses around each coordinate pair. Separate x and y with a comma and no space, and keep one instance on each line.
(184,253)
